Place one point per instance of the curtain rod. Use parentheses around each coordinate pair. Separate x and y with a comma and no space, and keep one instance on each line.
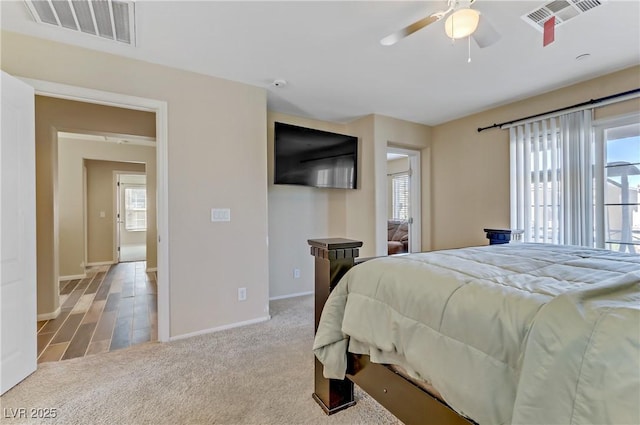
(577,105)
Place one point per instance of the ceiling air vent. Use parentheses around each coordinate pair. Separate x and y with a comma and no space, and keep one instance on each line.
(110,19)
(563,10)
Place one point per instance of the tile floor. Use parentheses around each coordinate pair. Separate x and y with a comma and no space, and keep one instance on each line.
(113,307)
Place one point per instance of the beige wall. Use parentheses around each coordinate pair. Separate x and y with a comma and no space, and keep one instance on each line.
(71,156)
(359,207)
(216,128)
(100,198)
(470,170)
(299,213)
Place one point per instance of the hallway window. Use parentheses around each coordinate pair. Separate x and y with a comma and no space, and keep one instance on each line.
(135,208)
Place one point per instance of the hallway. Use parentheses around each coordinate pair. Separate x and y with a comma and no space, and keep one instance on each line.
(114,307)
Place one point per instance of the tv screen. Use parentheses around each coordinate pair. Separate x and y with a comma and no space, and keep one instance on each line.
(308,157)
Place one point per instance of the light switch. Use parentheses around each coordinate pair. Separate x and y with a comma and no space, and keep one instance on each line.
(220,214)
(102,214)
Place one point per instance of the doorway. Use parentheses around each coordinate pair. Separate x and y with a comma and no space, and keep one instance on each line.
(131,217)
(160,109)
(104,306)
(49,266)
(403,201)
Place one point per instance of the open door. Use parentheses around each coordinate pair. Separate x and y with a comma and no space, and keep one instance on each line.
(18,348)
(131,214)
(403,201)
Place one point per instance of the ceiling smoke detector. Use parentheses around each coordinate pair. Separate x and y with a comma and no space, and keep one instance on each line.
(112,20)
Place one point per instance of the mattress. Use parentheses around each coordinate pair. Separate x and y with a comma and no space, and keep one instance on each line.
(514,333)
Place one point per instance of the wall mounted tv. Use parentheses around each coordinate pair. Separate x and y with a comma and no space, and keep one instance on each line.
(308,157)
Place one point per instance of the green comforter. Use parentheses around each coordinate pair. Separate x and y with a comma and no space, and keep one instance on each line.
(517,333)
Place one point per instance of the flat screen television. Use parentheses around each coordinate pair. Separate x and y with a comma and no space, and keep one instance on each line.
(309,157)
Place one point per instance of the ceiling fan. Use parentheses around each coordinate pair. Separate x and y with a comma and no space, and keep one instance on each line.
(462,21)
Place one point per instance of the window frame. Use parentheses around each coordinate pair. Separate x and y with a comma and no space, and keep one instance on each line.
(126,187)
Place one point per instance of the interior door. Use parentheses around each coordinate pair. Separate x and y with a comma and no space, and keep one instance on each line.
(415,200)
(18,347)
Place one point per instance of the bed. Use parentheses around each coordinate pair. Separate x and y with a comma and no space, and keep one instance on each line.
(514,333)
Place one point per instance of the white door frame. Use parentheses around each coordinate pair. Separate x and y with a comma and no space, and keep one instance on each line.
(81,94)
(415,235)
(85,226)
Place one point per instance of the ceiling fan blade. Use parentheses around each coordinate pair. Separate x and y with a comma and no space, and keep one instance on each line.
(486,34)
(407,31)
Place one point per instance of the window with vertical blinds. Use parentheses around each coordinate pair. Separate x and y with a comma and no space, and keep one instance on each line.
(400,201)
(574,183)
(552,175)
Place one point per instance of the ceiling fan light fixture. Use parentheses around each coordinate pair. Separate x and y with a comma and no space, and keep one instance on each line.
(461,23)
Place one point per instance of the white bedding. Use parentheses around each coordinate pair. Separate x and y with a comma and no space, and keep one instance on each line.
(516,333)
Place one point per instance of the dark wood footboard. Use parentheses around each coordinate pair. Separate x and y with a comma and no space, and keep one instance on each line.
(334,257)
(405,400)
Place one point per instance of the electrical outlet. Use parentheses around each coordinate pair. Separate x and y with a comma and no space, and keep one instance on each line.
(220,214)
(242,294)
(296,273)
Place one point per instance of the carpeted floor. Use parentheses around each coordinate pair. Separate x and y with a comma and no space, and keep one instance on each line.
(259,374)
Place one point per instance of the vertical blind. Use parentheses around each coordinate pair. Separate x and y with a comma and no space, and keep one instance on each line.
(400,201)
(552,189)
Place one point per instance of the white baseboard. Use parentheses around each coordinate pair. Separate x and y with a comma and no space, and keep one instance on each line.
(101,263)
(49,316)
(152,269)
(298,294)
(72,277)
(221,328)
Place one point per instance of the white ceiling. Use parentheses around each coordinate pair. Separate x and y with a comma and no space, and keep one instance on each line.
(336,69)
